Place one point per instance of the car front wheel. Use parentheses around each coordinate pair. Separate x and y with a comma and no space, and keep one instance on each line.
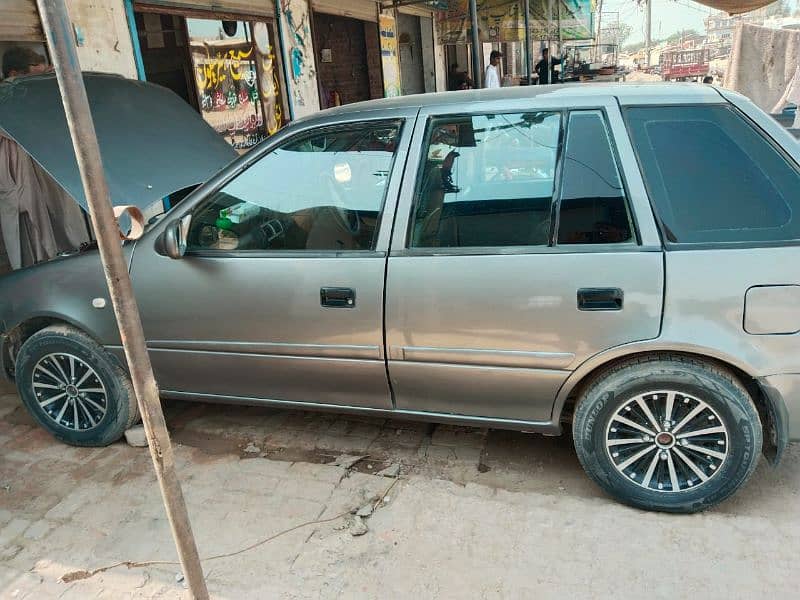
(74,388)
(672,433)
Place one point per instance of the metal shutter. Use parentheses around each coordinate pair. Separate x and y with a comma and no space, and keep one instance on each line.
(366,10)
(255,8)
(19,21)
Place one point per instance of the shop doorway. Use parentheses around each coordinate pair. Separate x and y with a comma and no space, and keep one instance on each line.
(228,69)
(165,54)
(348,59)
(416,52)
(459,66)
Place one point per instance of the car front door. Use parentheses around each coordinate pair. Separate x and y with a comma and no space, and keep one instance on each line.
(516,256)
(279,295)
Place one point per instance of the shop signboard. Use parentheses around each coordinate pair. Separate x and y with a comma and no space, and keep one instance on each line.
(237,80)
(504,20)
(390,62)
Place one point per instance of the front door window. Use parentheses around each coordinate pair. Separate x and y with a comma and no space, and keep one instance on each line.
(322,191)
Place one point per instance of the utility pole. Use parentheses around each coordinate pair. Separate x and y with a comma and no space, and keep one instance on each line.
(476,53)
(528,53)
(549,41)
(648,30)
(599,39)
(58,29)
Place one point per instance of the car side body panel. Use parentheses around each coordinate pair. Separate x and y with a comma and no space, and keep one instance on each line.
(703,295)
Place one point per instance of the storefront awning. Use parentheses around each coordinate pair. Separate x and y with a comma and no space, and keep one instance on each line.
(152,143)
(504,20)
(735,7)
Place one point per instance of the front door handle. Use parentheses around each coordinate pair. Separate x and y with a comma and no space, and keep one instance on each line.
(335,297)
(600,299)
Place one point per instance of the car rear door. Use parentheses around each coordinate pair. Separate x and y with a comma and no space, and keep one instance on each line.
(524,244)
(280,293)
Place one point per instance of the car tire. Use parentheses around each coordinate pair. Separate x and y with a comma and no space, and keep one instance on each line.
(667,469)
(62,373)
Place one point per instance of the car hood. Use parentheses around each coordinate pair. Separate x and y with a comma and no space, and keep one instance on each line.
(152,142)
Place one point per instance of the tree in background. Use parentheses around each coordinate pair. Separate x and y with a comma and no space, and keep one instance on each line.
(616,33)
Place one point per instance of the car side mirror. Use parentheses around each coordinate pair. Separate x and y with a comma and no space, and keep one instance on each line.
(173,240)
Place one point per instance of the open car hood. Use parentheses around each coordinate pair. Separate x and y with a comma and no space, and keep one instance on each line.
(152,143)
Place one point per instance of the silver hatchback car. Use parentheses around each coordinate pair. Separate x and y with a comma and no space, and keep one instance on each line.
(618,260)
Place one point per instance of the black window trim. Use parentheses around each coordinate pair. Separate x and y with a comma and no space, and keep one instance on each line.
(399,121)
(663,230)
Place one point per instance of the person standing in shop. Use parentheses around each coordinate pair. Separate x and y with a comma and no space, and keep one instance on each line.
(492,76)
(545,69)
(19,61)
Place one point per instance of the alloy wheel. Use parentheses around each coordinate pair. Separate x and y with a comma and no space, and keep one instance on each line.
(667,441)
(69,391)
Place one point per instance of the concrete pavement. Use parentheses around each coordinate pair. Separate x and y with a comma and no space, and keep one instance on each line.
(475,514)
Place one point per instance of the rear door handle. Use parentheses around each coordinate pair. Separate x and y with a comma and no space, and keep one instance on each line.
(335,297)
(600,299)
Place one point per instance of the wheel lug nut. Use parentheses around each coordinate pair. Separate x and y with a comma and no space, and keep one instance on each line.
(664,456)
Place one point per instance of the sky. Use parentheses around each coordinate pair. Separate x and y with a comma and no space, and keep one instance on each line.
(669,16)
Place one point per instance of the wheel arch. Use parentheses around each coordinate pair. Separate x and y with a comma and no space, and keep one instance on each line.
(771,410)
(16,336)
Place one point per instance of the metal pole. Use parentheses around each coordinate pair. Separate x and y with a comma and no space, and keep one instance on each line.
(549,65)
(649,30)
(560,46)
(84,139)
(476,60)
(599,30)
(528,49)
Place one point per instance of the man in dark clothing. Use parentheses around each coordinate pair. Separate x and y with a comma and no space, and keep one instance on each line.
(18,61)
(542,68)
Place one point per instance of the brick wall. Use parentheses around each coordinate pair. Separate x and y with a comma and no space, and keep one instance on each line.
(348,71)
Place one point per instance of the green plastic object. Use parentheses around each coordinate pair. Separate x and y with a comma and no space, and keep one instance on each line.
(224,223)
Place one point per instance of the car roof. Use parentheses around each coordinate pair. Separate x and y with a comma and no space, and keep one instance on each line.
(626,93)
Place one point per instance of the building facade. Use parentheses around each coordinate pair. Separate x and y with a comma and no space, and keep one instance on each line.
(250,66)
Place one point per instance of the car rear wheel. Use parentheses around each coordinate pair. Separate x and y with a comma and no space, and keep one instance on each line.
(667,433)
(74,388)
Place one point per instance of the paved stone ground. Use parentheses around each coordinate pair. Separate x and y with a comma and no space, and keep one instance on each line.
(475,514)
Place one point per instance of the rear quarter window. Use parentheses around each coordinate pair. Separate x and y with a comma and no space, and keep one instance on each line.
(713,177)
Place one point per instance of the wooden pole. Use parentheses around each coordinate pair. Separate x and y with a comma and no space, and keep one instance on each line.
(84,139)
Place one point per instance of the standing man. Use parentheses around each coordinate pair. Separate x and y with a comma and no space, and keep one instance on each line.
(492,76)
(19,61)
(544,68)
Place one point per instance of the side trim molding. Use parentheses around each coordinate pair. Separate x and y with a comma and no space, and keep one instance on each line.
(492,358)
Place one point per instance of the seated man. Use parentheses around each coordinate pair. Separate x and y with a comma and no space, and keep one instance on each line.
(19,61)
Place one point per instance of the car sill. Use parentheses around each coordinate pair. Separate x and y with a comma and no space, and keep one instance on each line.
(544,427)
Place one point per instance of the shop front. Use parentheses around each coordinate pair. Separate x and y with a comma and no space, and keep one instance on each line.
(348,51)
(501,26)
(224,62)
(20,27)
(416,49)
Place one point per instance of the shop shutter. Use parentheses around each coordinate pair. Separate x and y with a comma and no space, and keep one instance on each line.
(366,10)
(19,21)
(252,8)
(418,10)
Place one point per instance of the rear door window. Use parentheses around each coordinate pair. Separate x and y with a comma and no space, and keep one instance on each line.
(487,181)
(713,177)
(592,206)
